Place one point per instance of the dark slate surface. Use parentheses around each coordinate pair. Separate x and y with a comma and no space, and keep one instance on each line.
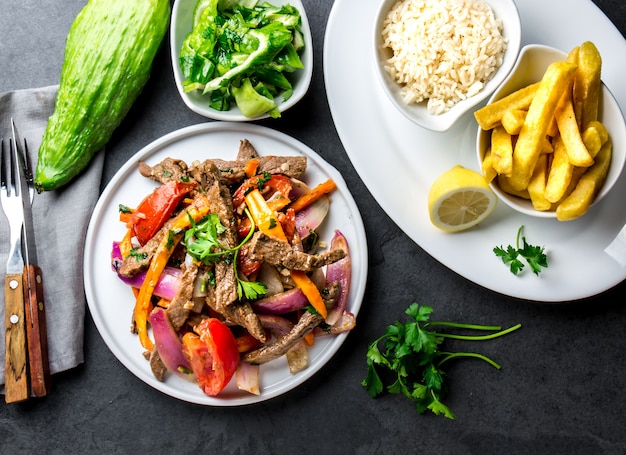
(561,389)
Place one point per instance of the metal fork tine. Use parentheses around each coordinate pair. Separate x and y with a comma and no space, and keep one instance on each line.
(29,172)
(3,180)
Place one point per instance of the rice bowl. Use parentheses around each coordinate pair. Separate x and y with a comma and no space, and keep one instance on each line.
(437,59)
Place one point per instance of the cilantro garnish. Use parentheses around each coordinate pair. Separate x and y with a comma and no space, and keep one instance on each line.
(203,245)
(412,353)
(138,255)
(534,255)
(124,209)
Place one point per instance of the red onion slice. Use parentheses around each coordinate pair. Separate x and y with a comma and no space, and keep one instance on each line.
(168,344)
(166,286)
(340,271)
(278,325)
(311,217)
(247,378)
(282,303)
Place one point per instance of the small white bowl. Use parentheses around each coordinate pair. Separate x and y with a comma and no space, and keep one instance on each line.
(418,113)
(181,25)
(533,61)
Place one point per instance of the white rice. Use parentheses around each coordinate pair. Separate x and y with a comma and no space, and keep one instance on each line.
(444,51)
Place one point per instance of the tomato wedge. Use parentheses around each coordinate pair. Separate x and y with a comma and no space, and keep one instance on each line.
(157,208)
(212,353)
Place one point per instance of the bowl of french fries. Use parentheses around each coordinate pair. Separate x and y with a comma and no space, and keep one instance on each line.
(552,140)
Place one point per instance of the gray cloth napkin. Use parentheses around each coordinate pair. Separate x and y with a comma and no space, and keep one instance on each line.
(60,218)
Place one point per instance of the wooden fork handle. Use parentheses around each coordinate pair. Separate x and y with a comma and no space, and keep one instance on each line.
(15,363)
(36,331)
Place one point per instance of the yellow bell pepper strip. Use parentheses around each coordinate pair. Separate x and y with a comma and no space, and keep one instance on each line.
(313,195)
(251,167)
(310,290)
(125,243)
(278,202)
(267,222)
(126,214)
(264,217)
(143,304)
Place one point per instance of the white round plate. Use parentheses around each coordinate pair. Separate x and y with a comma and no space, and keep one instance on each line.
(111,302)
(398,161)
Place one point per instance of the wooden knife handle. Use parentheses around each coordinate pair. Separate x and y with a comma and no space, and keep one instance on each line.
(15,368)
(36,333)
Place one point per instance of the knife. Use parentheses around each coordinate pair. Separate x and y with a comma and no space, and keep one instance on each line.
(34,305)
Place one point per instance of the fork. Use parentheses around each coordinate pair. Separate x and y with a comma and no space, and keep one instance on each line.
(16,374)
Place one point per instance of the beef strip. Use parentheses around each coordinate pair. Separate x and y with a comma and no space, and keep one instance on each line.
(180,305)
(307,322)
(246,151)
(140,259)
(170,169)
(226,298)
(280,253)
(290,166)
(230,171)
(156,365)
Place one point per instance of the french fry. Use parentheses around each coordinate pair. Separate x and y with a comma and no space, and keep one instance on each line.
(587,84)
(572,57)
(489,116)
(604,134)
(504,183)
(579,201)
(568,128)
(560,173)
(487,167)
(553,129)
(513,119)
(546,146)
(556,80)
(501,151)
(592,140)
(537,185)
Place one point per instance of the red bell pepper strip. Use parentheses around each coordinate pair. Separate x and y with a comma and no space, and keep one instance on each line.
(157,208)
(212,353)
(276,183)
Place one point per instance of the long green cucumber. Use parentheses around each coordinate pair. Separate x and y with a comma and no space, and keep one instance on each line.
(109,52)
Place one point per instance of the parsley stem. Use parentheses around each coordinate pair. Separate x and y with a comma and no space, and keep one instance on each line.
(478,337)
(452,355)
(519,234)
(466,326)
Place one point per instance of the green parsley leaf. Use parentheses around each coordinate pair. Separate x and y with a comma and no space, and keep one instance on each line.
(412,352)
(251,289)
(202,242)
(534,256)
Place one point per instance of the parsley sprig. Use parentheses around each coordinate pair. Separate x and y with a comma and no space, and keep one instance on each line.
(534,255)
(413,353)
(202,242)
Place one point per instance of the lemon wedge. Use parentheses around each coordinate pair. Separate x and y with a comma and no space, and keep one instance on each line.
(459,199)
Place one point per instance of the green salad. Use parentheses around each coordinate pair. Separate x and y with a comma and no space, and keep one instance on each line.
(242,52)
